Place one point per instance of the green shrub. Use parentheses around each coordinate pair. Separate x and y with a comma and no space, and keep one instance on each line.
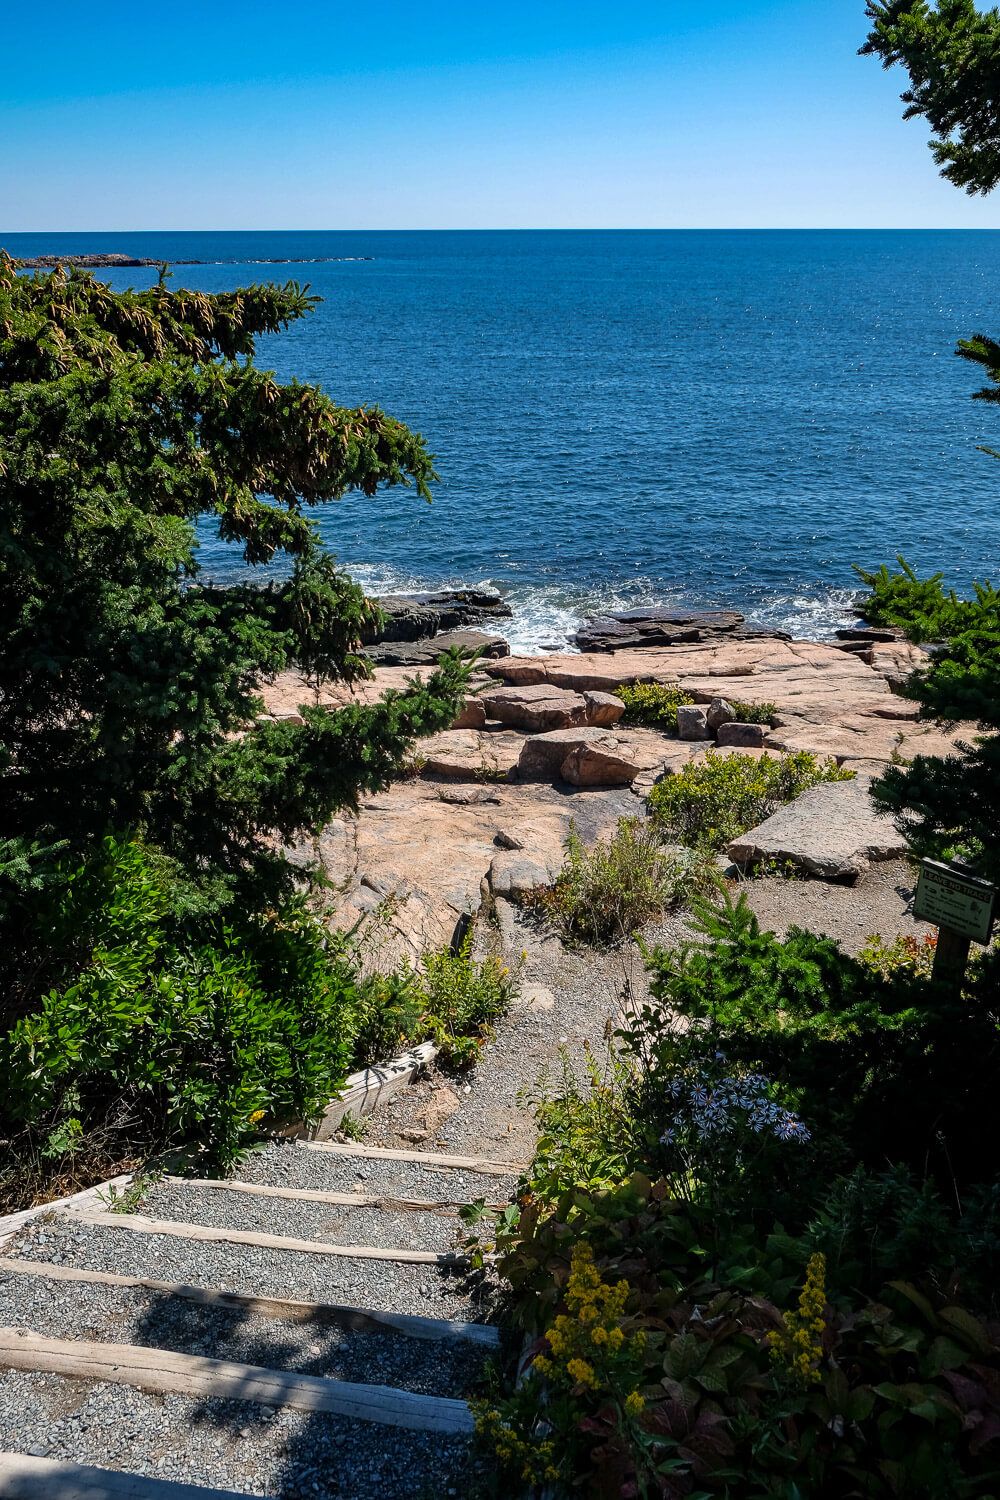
(884,1069)
(463,999)
(605,894)
(389,1016)
(708,803)
(652,704)
(904,954)
(752,713)
(172,1033)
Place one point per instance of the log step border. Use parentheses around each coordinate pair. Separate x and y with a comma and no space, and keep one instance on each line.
(162,1372)
(284,1309)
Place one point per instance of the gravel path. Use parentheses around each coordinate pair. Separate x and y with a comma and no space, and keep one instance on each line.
(424,1290)
(230,1444)
(386,1227)
(848,913)
(568,996)
(132,1315)
(282,1164)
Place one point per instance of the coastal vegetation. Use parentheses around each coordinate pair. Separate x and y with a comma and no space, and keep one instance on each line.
(708,803)
(157,951)
(758,1250)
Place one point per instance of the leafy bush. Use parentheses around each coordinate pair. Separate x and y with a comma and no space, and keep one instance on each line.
(652,704)
(389,1015)
(179,1034)
(693,1386)
(463,998)
(904,954)
(752,713)
(605,894)
(890,1069)
(708,803)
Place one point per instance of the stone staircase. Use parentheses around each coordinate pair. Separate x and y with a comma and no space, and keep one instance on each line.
(308,1328)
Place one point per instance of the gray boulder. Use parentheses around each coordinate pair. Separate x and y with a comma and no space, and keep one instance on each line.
(742,736)
(692,722)
(832,831)
(720,712)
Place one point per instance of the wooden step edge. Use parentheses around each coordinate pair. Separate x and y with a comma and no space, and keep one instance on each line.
(10,1223)
(364,1092)
(24,1478)
(284,1309)
(162,1372)
(179,1229)
(425,1158)
(316,1195)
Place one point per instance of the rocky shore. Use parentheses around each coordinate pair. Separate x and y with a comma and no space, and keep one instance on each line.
(484,815)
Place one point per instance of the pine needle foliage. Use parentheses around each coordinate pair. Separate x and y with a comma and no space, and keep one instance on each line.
(129,685)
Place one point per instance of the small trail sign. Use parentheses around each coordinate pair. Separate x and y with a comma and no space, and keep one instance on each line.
(951,898)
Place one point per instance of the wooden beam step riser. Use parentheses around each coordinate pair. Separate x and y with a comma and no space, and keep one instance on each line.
(443,1206)
(162,1372)
(357,1319)
(421,1158)
(24,1478)
(178,1229)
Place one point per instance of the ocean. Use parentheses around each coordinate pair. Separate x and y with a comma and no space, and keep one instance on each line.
(640,417)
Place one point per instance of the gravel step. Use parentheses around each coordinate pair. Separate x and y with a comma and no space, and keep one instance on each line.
(428,1290)
(23,1478)
(163,1371)
(372,1224)
(235,1445)
(284,1164)
(309,1346)
(184,1230)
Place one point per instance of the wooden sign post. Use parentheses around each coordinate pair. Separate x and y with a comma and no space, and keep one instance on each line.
(963,909)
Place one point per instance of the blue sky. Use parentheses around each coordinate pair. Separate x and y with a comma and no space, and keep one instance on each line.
(384,115)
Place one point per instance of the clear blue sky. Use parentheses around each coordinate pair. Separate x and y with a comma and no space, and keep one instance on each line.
(318,114)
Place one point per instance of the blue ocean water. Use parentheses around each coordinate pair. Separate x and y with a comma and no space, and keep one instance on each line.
(625,417)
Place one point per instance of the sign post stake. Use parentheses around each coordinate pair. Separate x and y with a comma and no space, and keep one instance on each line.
(951,958)
(962,907)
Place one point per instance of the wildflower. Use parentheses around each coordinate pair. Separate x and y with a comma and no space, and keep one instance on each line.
(257,1115)
(799,1345)
(582,1372)
(634,1404)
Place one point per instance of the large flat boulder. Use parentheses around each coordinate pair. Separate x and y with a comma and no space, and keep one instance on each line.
(655,627)
(469,754)
(535,707)
(424,653)
(415,617)
(543,755)
(832,831)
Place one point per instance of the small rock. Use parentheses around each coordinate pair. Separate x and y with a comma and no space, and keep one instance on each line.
(745,736)
(603,708)
(692,722)
(720,712)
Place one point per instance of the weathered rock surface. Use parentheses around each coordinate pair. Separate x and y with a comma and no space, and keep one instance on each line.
(741,736)
(599,765)
(415,861)
(603,708)
(664,627)
(832,831)
(415,617)
(424,653)
(469,754)
(719,712)
(535,708)
(543,755)
(692,722)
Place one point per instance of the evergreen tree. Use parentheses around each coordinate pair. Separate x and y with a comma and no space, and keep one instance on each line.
(128,685)
(949,806)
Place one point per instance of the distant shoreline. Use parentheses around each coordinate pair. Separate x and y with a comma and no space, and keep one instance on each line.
(113,261)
